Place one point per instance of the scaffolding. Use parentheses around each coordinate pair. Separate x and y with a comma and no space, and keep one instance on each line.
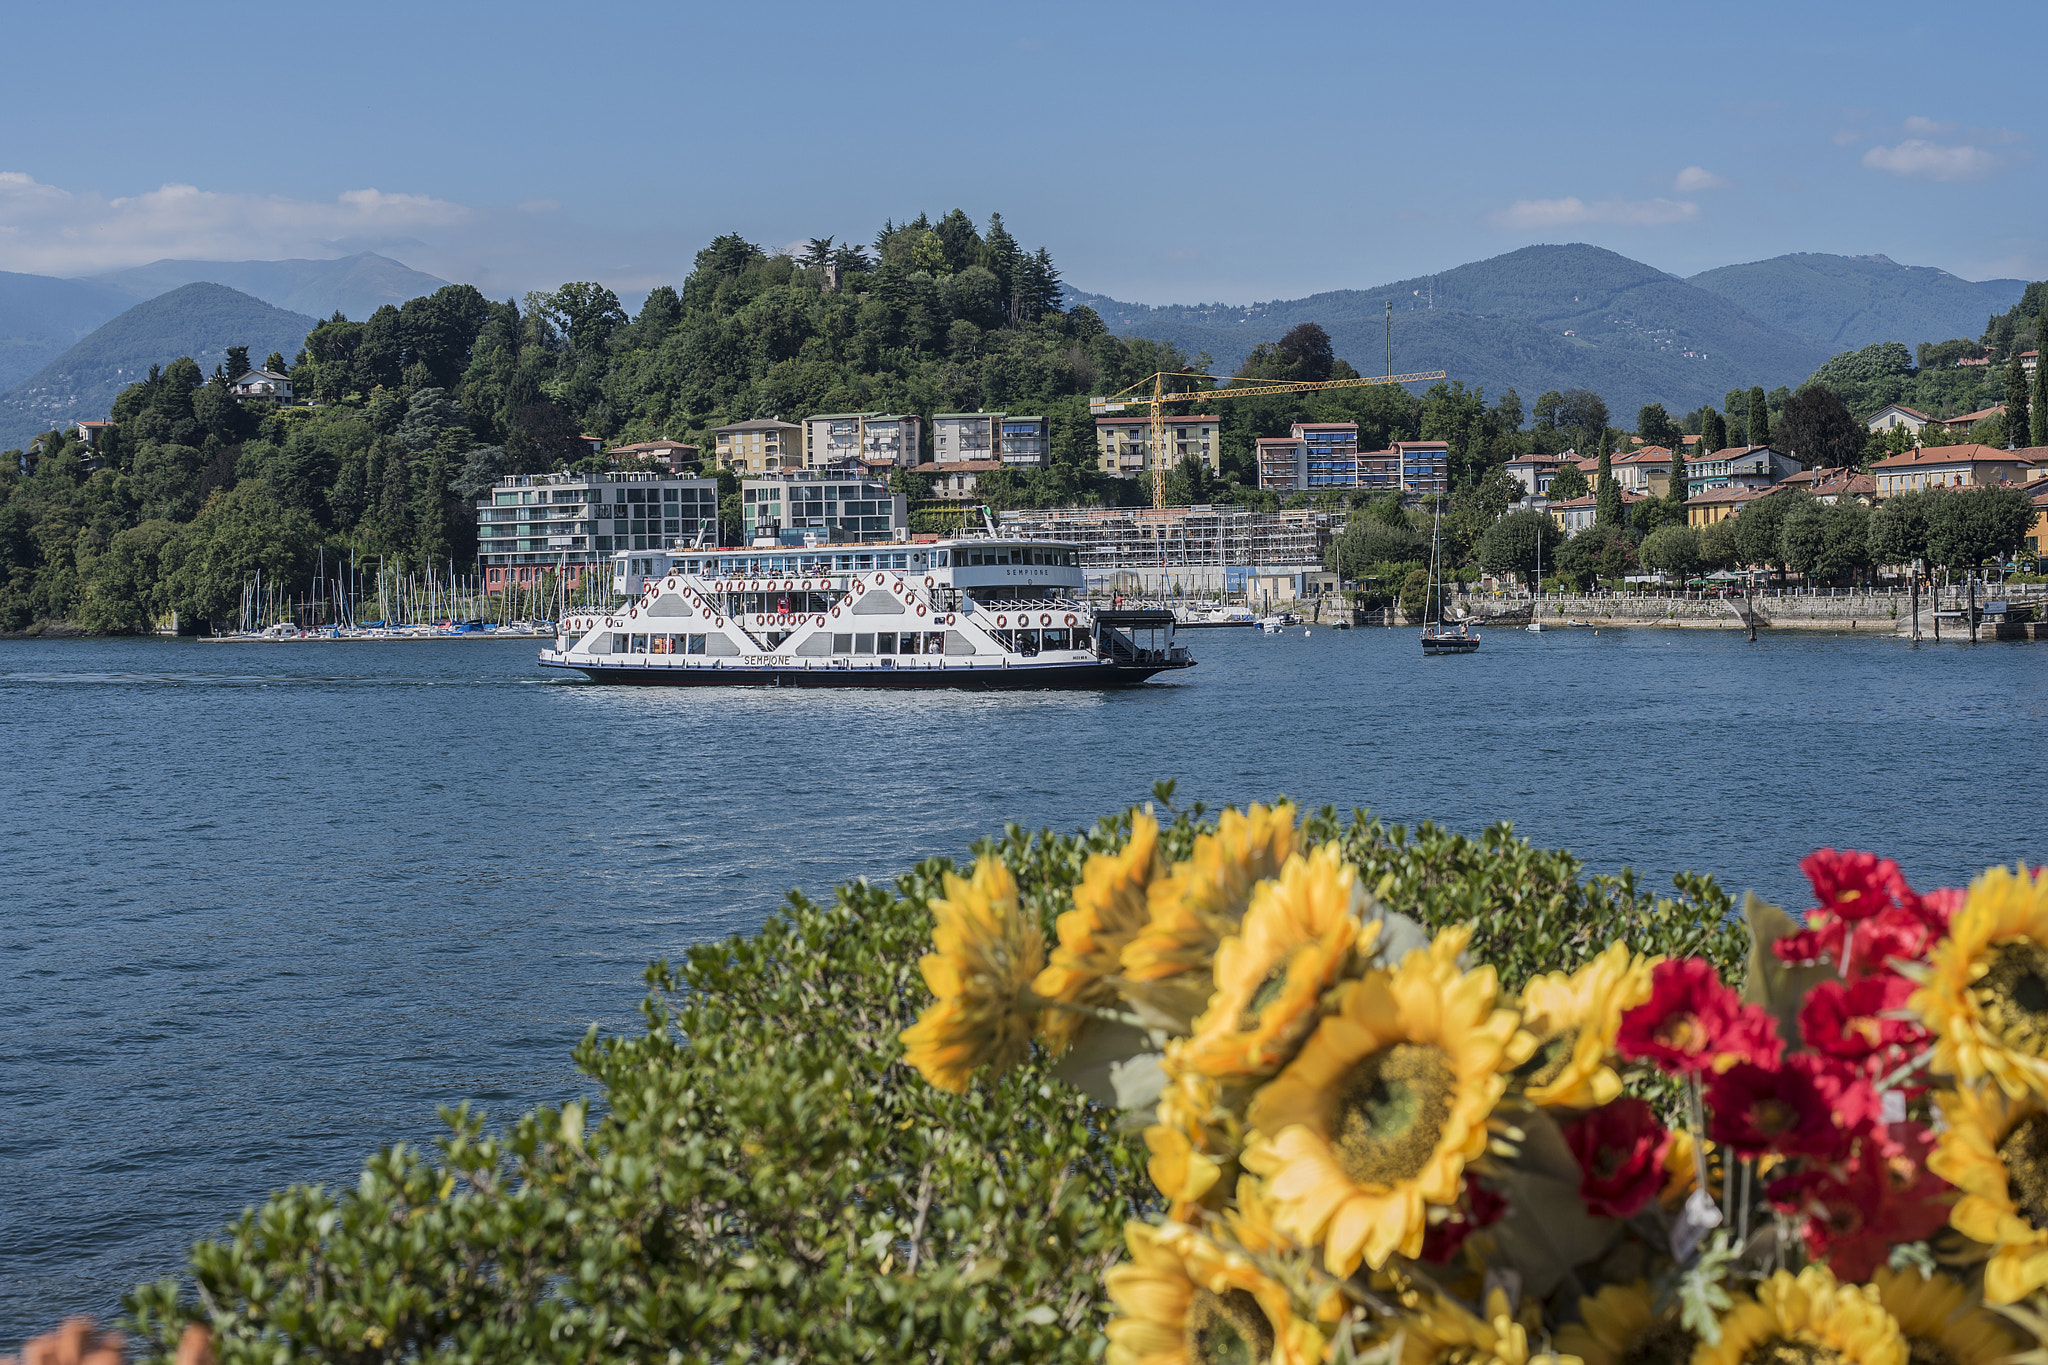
(1202,549)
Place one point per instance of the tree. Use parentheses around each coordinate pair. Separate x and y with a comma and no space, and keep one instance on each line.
(1655,426)
(1720,546)
(274,363)
(1898,529)
(1512,544)
(1758,423)
(1818,430)
(1713,432)
(1545,412)
(1679,492)
(1802,538)
(1968,526)
(237,363)
(1674,550)
(2037,432)
(1759,529)
(1846,552)
(1607,508)
(1568,482)
(2018,420)
(1367,541)
(1307,351)
(1583,412)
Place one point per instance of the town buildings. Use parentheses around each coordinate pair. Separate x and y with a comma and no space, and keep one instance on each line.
(821,504)
(1893,415)
(1963,466)
(675,456)
(1123,444)
(1534,472)
(763,446)
(1705,508)
(1574,515)
(1737,467)
(836,439)
(1155,551)
(1025,442)
(1425,466)
(571,524)
(956,479)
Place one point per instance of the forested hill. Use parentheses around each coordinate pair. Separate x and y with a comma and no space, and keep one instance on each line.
(357,285)
(1542,318)
(1849,302)
(198,320)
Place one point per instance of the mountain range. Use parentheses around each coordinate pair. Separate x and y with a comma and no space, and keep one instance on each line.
(200,320)
(1579,316)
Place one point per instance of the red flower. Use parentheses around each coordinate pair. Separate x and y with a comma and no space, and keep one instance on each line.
(1480,1207)
(1819,941)
(1692,1020)
(1754,1109)
(1620,1149)
(1882,1197)
(1895,932)
(1843,1019)
(1934,908)
(1853,885)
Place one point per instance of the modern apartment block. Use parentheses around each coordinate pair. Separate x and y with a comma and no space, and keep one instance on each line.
(531,524)
(1026,442)
(1123,444)
(821,503)
(966,436)
(1425,466)
(1322,455)
(763,446)
(835,438)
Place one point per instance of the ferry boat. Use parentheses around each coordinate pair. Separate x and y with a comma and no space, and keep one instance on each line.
(981,612)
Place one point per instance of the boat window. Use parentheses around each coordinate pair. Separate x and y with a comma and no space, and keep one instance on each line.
(900,561)
(842,562)
(639,644)
(1055,639)
(945,558)
(935,642)
(863,644)
(618,644)
(920,561)
(863,561)
(696,644)
(842,644)
(885,643)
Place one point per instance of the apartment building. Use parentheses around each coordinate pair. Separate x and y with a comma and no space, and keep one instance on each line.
(1025,442)
(836,438)
(1318,455)
(966,435)
(826,504)
(1964,466)
(531,524)
(1425,466)
(1123,444)
(1738,467)
(763,446)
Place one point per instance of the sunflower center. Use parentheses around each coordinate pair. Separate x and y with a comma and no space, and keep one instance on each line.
(1786,1351)
(1227,1329)
(1662,1343)
(1552,1056)
(1269,990)
(1923,1351)
(1391,1109)
(2013,995)
(2025,1154)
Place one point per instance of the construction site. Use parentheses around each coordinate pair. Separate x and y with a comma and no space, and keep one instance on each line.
(1201,551)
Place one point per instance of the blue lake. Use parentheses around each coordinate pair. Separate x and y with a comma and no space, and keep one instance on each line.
(268,906)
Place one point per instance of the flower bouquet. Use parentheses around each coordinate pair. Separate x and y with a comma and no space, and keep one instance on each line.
(1368,1150)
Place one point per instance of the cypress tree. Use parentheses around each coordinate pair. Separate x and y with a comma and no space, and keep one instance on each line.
(1713,432)
(1759,417)
(2037,433)
(2018,421)
(1607,508)
(1678,493)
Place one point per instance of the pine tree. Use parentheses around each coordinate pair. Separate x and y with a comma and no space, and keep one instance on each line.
(2037,433)
(1713,432)
(1759,423)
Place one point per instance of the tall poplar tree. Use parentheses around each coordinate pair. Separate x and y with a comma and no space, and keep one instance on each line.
(2018,419)
(2037,432)
(1759,423)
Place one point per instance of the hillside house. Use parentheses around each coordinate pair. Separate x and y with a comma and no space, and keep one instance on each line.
(766,445)
(1893,415)
(1963,421)
(1832,485)
(1964,466)
(1574,515)
(956,478)
(1739,467)
(1645,472)
(1718,504)
(263,384)
(1534,472)
(669,455)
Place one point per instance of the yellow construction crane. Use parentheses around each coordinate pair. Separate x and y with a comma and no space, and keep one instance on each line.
(1248,388)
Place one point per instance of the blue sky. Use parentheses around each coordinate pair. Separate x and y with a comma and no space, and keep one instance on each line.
(1164,153)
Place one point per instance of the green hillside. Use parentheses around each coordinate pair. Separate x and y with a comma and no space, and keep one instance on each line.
(357,285)
(1849,302)
(198,320)
(40,317)
(1544,317)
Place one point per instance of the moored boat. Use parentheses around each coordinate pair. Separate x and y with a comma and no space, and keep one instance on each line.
(978,612)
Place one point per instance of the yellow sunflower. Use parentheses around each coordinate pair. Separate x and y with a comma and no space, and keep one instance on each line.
(1198,902)
(1188,1154)
(1183,1299)
(1378,1114)
(1942,1320)
(988,951)
(1984,993)
(1806,1319)
(1572,1020)
(1109,909)
(1441,1332)
(1271,974)
(1995,1150)
(1620,1325)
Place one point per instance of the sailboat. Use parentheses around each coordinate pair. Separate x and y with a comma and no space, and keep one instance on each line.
(1536,608)
(1435,638)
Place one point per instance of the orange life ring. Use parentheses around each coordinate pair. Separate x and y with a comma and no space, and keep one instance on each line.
(920,610)
(835,611)
(1045,620)
(881,579)
(633,612)
(1070,618)
(671,582)
(718,621)
(860,585)
(821,620)
(1002,621)
(950,618)
(928,581)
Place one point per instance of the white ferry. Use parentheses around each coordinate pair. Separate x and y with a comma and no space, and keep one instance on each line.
(980,612)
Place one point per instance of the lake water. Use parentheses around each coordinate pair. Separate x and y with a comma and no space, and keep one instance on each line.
(269,905)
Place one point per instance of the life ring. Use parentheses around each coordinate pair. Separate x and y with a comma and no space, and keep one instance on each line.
(950,618)
(672,583)
(835,612)
(633,612)
(929,582)
(1070,618)
(881,579)
(718,621)
(759,619)
(1045,620)
(807,585)
(821,620)
(1002,621)
(920,611)
(860,585)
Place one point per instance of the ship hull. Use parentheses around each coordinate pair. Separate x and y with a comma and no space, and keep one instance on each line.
(1087,677)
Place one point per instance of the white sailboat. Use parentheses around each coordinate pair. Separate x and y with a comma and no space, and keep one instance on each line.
(1536,607)
(1435,638)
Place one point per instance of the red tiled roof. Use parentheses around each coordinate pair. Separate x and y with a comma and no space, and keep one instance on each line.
(945,467)
(1965,419)
(1590,498)
(1731,493)
(1647,455)
(1901,407)
(1732,452)
(1943,455)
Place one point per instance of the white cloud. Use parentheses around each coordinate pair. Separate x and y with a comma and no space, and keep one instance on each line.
(1926,126)
(1693,179)
(1569,211)
(47,230)
(1919,159)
